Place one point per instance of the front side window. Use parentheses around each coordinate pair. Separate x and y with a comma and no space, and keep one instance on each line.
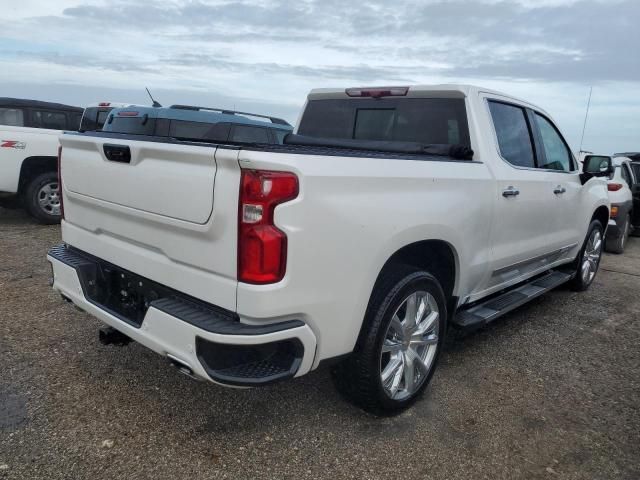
(11,116)
(49,119)
(512,131)
(558,155)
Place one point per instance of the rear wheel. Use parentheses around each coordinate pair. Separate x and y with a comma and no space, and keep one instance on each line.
(616,245)
(42,198)
(399,346)
(589,258)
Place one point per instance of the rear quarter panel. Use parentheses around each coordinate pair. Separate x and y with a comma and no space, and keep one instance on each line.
(352,214)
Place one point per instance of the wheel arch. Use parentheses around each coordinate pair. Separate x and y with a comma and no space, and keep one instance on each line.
(436,256)
(602,215)
(32,167)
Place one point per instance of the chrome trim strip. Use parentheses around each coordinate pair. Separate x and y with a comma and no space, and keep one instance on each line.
(514,266)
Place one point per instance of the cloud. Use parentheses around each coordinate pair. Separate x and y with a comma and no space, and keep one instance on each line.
(275,50)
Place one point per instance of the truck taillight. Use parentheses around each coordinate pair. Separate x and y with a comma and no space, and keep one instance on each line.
(60,181)
(262,247)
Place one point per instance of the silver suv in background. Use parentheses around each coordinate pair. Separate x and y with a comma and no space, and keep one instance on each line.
(623,214)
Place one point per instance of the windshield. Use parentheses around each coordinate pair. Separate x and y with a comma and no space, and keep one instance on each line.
(421,120)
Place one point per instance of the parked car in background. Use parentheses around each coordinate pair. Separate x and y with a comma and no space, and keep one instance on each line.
(198,123)
(96,114)
(624,215)
(392,215)
(29,132)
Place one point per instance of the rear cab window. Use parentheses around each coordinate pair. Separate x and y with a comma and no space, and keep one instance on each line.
(94,118)
(421,120)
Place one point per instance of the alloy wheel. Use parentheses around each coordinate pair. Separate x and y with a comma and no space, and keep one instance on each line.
(410,345)
(49,198)
(591,257)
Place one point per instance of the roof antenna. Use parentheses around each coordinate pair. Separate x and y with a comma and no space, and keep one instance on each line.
(155,104)
(584,125)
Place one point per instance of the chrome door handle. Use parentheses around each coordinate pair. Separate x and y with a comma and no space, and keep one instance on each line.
(559,190)
(510,192)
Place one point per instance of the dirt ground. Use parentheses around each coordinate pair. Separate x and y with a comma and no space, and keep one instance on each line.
(550,391)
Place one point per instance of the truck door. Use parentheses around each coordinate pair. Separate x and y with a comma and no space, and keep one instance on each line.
(554,157)
(522,239)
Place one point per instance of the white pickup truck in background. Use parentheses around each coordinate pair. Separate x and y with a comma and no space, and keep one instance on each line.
(392,215)
(29,131)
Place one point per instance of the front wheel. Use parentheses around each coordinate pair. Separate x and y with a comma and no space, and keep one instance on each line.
(588,260)
(42,198)
(398,349)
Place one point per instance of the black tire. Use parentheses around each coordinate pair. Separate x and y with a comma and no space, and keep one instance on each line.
(579,283)
(358,377)
(31,201)
(616,245)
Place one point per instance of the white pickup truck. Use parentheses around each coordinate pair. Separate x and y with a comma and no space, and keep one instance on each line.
(391,215)
(29,131)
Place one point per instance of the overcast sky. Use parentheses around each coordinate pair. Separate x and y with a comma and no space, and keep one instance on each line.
(264,55)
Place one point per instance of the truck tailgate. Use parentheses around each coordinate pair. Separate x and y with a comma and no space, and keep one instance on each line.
(161,178)
(168,214)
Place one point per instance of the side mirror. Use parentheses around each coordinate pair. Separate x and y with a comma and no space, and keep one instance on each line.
(597,166)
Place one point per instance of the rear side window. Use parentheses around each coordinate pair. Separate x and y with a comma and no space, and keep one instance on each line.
(421,120)
(217,132)
(49,119)
(557,153)
(512,131)
(11,116)
(132,125)
(249,134)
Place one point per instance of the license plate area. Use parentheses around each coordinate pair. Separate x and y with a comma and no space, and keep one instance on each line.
(118,291)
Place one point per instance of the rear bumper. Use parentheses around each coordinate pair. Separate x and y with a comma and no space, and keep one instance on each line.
(211,342)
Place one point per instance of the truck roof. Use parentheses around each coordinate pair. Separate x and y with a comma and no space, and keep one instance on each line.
(446,90)
(23,102)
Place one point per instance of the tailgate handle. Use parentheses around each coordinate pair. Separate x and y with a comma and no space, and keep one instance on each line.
(117,153)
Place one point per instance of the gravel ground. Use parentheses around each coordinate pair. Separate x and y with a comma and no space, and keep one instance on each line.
(550,391)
